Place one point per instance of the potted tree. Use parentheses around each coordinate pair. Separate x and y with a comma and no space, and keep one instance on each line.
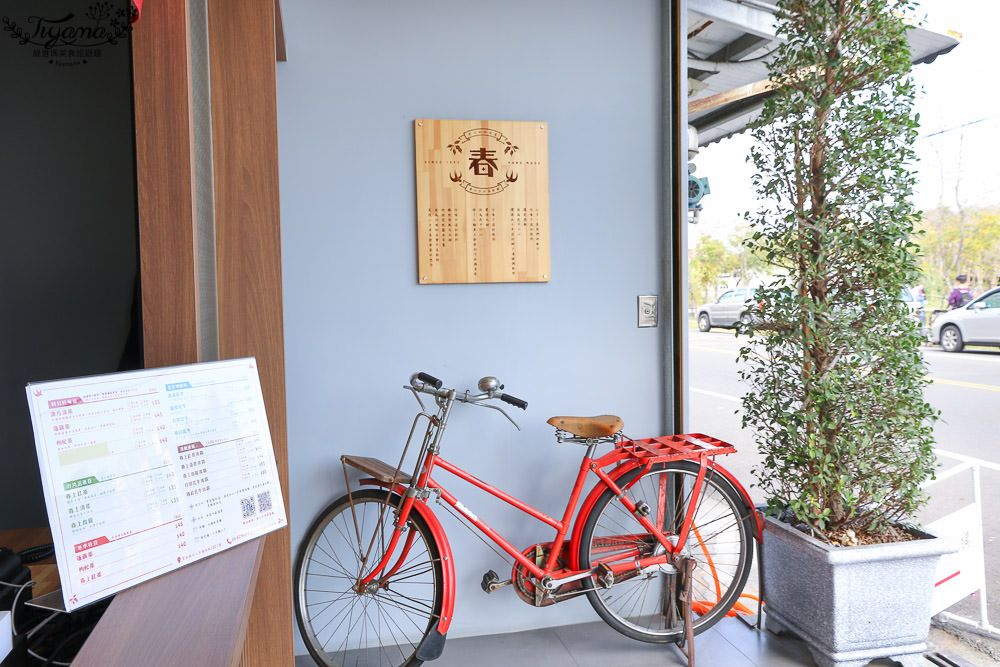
(834,367)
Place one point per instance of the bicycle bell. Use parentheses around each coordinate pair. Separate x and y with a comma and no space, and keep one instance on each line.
(489,383)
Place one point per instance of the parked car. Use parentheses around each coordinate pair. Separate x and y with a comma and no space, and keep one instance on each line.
(735,305)
(975,323)
(911,303)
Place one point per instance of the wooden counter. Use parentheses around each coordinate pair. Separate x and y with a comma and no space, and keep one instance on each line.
(196,615)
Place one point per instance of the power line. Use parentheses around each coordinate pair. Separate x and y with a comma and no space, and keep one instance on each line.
(957,127)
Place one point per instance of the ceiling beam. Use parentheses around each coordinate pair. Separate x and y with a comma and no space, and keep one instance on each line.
(745,15)
(737,49)
(730,96)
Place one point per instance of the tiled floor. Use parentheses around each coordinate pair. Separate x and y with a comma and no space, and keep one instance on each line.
(729,644)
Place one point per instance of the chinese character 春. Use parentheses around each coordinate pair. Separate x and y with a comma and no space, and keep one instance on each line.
(482,162)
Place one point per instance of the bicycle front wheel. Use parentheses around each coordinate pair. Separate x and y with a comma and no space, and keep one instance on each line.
(646,605)
(383,622)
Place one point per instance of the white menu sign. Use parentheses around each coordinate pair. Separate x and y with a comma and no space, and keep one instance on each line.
(147,471)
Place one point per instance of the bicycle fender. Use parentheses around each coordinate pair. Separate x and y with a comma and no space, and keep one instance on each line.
(758,530)
(444,551)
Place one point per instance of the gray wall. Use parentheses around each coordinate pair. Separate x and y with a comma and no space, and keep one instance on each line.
(357,324)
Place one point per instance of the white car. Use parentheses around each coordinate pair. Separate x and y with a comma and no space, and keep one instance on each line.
(975,323)
(735,305)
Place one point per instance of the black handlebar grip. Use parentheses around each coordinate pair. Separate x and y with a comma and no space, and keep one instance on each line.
(514,400)
(429,379)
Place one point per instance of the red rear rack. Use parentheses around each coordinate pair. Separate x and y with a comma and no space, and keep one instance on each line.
(685,446)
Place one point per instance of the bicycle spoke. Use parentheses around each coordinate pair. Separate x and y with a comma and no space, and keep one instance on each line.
(335,557)
(392,622)
(352,625)
(638,597)
(382,649)
(327,604)
(328,576)
(416,605)
(412,571)
(345,617)
(424,615)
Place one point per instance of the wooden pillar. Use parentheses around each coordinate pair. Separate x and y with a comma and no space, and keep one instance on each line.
(165,178)
(241,37)
(245,152)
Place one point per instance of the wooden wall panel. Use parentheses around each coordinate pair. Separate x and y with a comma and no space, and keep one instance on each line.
(241,37)
(165,177)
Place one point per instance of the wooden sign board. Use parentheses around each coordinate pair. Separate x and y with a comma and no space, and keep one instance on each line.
(482,201)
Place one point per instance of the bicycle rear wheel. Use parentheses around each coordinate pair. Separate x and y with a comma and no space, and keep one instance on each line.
(646,606)
(385,622)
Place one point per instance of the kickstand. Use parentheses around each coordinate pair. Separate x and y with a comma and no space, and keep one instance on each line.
(686,645)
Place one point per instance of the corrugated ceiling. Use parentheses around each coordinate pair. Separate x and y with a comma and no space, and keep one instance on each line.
(729,43)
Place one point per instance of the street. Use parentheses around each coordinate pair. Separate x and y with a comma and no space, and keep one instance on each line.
(966,390)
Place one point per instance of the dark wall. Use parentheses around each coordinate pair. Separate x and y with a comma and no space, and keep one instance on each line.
(68,230)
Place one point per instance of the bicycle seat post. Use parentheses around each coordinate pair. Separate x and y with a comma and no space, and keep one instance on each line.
(588,431)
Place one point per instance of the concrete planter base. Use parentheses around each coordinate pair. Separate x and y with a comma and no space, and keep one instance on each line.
(851,605)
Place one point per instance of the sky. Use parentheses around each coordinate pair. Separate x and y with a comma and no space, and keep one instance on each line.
(959,144)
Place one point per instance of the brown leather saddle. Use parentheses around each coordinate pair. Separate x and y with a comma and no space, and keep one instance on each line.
(601,426)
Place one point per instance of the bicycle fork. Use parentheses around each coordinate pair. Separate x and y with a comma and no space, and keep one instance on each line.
(367,583)
(433,644)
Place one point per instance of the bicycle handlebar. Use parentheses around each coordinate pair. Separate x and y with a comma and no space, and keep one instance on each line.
(427,378)
(514,400)
(428,384)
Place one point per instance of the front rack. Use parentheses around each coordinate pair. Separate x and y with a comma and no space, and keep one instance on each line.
(378,469)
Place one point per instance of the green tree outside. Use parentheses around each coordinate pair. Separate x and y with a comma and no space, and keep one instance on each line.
(953,242)
(712,260)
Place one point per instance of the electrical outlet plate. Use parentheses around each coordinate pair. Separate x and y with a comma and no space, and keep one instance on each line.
(647,310)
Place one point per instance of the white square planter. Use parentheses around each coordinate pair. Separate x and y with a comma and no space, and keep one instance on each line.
(851,605)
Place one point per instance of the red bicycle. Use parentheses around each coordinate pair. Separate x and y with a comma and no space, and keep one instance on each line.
(661,546)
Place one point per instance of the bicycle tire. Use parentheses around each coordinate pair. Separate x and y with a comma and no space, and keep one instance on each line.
(720,542)
(386,624)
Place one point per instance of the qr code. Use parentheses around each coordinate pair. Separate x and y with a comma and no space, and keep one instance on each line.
(248,507)
(264,501)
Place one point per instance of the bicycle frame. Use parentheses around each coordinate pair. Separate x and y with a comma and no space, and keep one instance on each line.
(607,481)
(558,575)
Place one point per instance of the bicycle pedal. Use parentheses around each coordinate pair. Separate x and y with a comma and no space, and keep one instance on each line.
(605,576)
(491,582)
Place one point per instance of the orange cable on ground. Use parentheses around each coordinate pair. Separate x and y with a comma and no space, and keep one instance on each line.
(702,607)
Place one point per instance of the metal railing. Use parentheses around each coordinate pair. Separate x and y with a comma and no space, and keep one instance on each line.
(971,543)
